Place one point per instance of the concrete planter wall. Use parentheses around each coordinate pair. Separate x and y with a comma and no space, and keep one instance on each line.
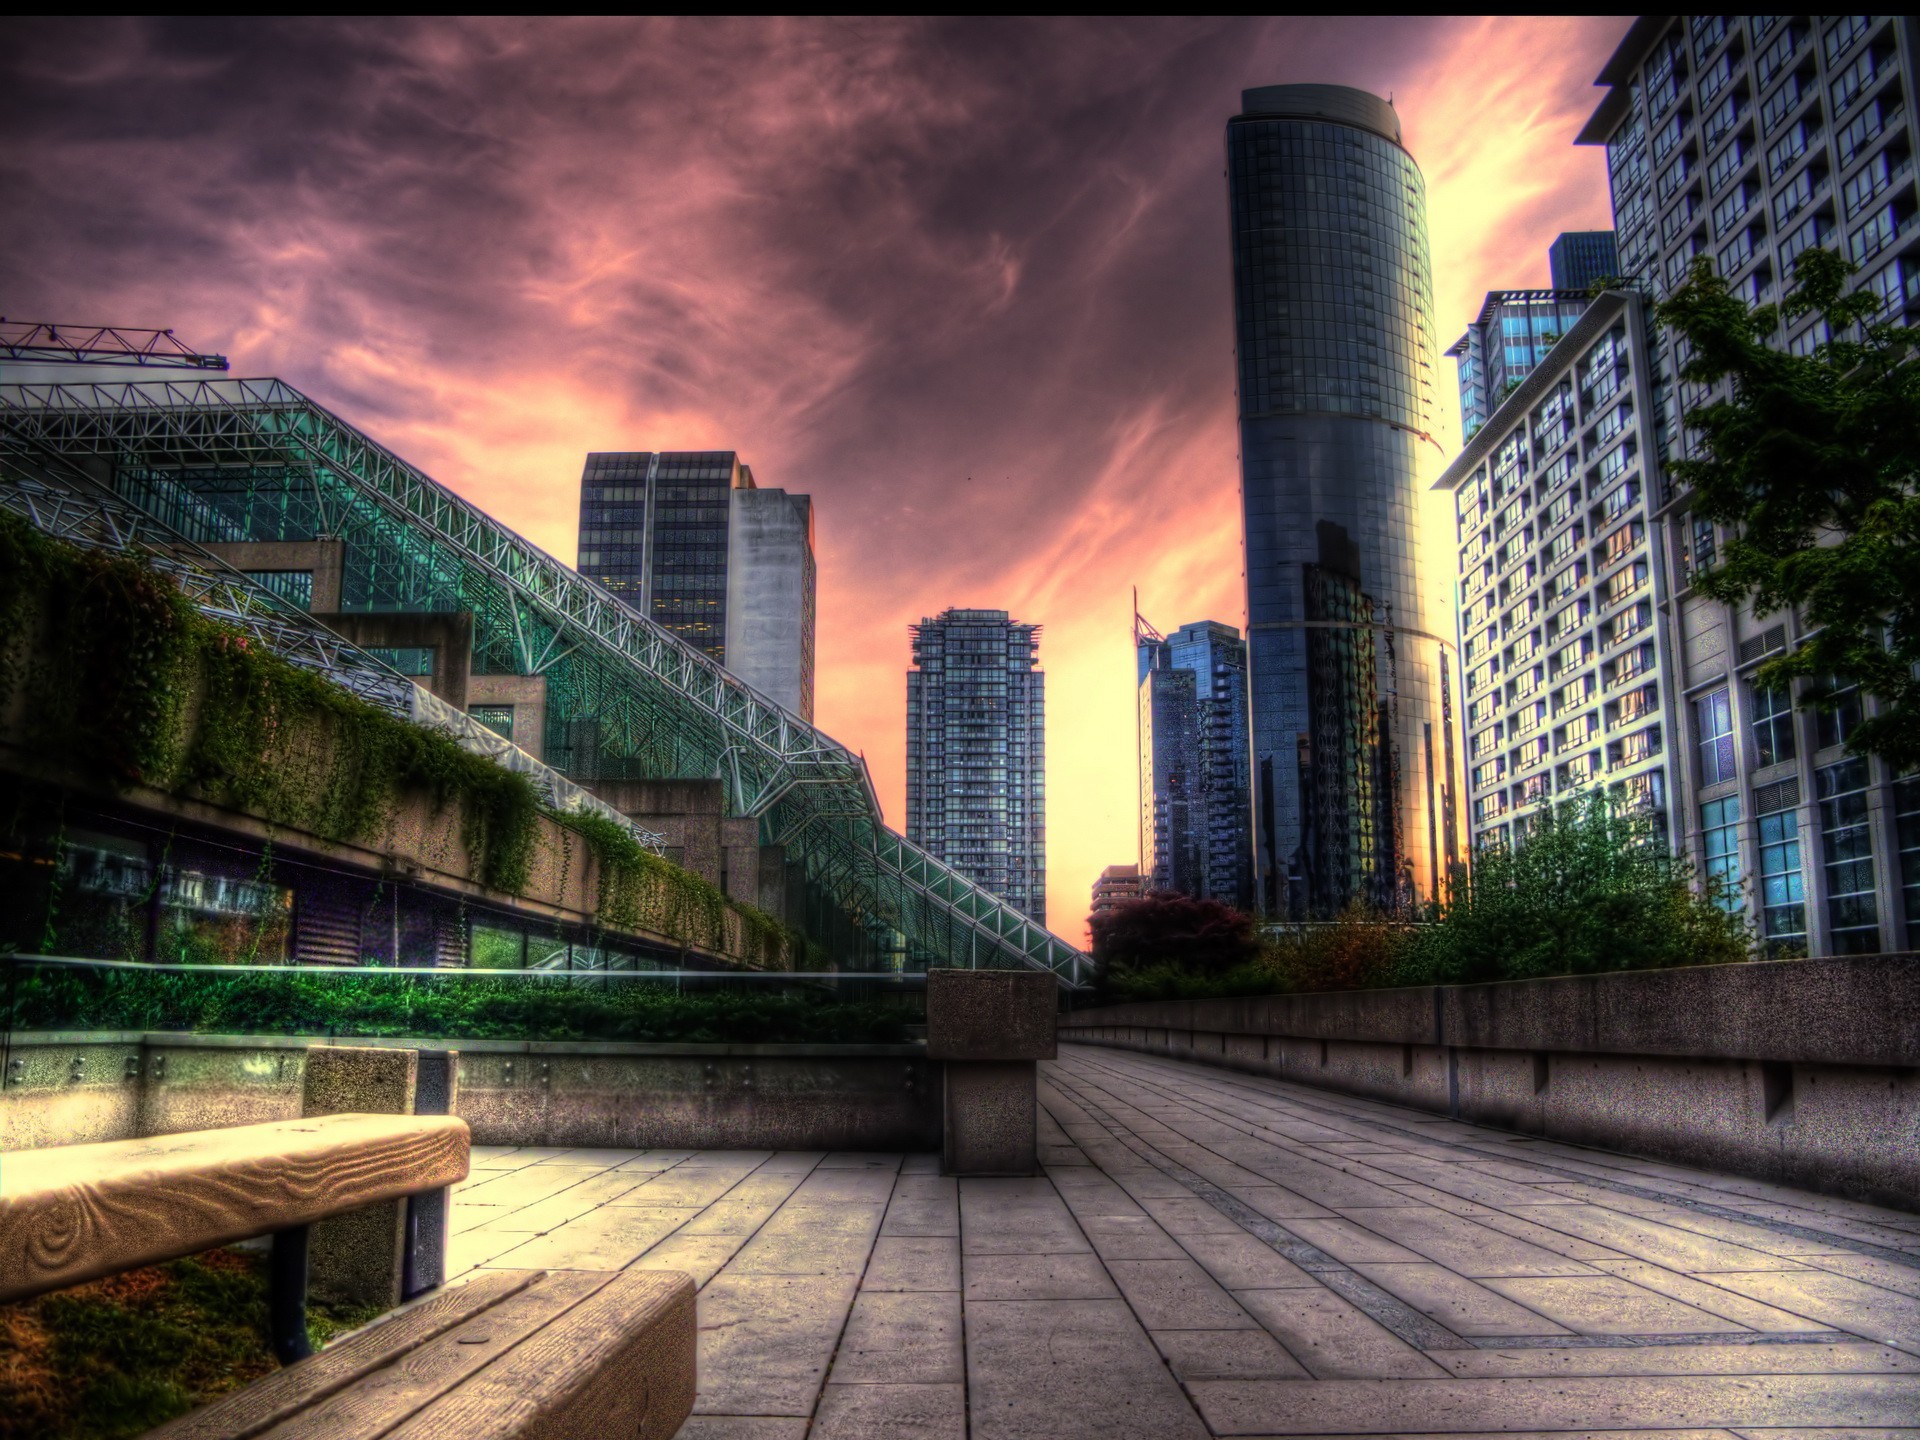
(1805,1072)
(67,1089)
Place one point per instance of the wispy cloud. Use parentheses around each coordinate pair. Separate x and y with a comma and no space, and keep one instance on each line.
(965,282)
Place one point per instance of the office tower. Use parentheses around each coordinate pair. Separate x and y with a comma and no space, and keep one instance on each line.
(1514,331)
(1334,340)
(977,752)
(1195,806)
(1579,259)
(1746,139)
(688,539)
(1116,885)
(1567,677)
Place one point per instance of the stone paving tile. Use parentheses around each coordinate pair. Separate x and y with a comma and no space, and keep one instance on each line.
(523,1186)
(1332,1337)
(574,1201)
(849,1295)
(1864,1310)
(903,1338)
(891,1412)
(743,1427)
(1016,1217)
(1177,1295)
(1069,1370)
(1465,1306)
(1036,1277)
(913,1262)
(1244,1354)
(1609,1305)
(1466,1246)
(765,1341)
(610,1238)
(1384,1407)
(1706,1359)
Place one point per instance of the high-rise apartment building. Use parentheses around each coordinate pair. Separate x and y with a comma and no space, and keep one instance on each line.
(1195,804)
(1744,139)
(977,752)
(1116,885)
(688,540)
(1580,259)
(1514,332)
(1334,342)
(1569,679)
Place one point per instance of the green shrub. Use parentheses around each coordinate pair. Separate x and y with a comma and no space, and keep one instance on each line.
(1588,889)
(459,1005)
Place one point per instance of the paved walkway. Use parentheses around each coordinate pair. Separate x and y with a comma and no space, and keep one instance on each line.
(1214,1254)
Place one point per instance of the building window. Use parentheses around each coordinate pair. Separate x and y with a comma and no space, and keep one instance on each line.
(1835,722)
(1772,725)
(1720,835)
(1783,905)
(293,586)
(497,718)
(1713,729)
(1906,812)
(410,660)
(1846,839)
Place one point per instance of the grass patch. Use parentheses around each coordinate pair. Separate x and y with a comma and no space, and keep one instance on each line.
(117,1357)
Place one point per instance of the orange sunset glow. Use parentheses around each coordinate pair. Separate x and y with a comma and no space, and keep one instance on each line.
(965,284)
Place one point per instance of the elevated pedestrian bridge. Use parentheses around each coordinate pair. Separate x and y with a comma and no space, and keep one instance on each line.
(1211,1254)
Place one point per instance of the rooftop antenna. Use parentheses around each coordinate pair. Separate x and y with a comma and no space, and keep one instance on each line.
(1142,631)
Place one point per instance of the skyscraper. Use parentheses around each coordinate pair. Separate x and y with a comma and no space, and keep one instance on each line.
(1334,337)
(1514,331)
(1568,676)
(976,752)
(1744,140)
(1578,259)
(688,539)
(1195,806)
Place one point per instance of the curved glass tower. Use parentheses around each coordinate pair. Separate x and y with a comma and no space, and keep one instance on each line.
(1350,687)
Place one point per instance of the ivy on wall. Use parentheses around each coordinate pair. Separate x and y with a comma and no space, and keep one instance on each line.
(130,683)
(112,672)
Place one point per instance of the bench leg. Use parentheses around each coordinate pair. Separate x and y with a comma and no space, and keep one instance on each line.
(287,1296)
(424,1266)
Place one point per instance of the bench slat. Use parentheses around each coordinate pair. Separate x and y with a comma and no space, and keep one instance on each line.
(258,1407)
(513,1354)
(72,1213)
(379,1401)
(619,1363)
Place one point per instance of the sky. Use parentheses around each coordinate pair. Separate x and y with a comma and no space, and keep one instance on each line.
(963,282)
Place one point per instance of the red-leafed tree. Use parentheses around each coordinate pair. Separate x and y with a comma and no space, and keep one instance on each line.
(1165,928)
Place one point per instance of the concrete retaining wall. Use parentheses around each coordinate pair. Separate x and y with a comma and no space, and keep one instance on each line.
(1805,1072)
(66,1089)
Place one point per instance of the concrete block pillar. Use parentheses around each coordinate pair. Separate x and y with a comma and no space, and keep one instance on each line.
(990,1029)
(396,1249)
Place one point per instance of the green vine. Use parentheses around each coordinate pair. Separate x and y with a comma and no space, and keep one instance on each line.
(639,890)
(137,686)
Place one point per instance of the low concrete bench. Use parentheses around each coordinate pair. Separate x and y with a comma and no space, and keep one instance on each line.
(72,1213)
(578,1355)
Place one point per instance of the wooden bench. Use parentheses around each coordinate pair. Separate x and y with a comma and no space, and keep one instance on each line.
(512,1354)
(72,1213)
(579,1355)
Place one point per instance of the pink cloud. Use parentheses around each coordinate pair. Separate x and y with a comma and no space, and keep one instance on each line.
(965,282)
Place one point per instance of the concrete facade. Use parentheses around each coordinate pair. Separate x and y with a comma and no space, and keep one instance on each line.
(1744,140)
(770,595)
(68,1089)
(1802,1072)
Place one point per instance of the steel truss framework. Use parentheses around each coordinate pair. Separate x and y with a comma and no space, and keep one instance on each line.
(72,508)
(231,459)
